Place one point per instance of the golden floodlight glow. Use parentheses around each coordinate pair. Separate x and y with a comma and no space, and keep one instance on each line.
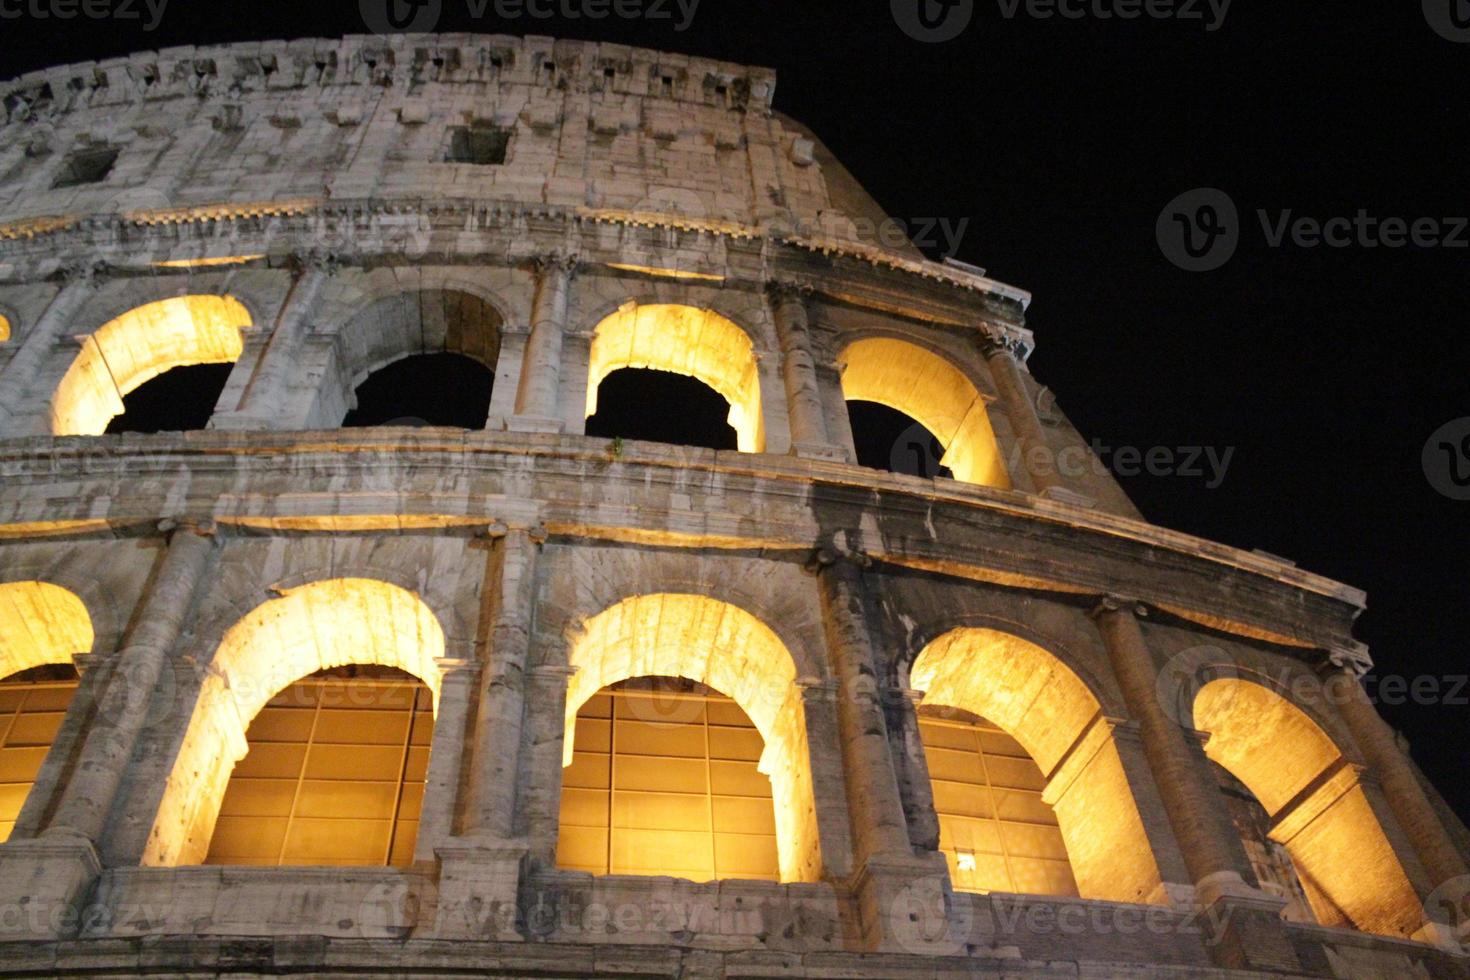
(137,347)
(208,263)
(664,273)
(40,624)
(930,390)
(727,649)
(685,340)
(4,329)
(1033,697)
(314,627)
(1318,808)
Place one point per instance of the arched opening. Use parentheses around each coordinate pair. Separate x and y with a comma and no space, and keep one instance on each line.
(180,399)
(42,628)
(139,346)
(1009,686)
(424,389)
(688,341)
(665,780)
(417,358)
(932,393)
(995,831)
(317,627)
(724,655)
(637,403)
(1317,807)
(334,774)
(887,439)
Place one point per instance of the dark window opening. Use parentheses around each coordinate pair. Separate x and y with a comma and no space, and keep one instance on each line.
(660,406)
(448,390)
(483,146)
(85,167)
(887,439)
(178,400)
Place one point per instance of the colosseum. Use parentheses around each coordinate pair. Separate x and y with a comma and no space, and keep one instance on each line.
(349,626)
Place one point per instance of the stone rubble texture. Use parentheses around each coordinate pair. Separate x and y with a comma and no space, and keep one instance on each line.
(519,568)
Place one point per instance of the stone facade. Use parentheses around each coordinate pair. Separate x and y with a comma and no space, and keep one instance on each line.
(302,210)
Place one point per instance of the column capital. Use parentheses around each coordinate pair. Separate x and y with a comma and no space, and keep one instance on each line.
(995,341)
(87,272)
(568,262)
(779,289)
(304,260)
(1352,658)
(204,527)
(537,532)
(824,558)
(1111,603)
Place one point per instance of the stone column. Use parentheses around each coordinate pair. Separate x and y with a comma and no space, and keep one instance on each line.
(538,395)
(1003,353)
(829,788)
(509,593)
(1395,771)
(457,682)
(123,709)
(804,409)
(78,284)
(539,809)
(263,401)
(1246,921)
(914,782)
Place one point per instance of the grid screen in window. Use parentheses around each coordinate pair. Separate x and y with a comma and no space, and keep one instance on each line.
(663,781)
(995,831)
(334,774)
(32,705)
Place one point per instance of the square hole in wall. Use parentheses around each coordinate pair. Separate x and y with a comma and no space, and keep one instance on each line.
(483,146)
(85,167)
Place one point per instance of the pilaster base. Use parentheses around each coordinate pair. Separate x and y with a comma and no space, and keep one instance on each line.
(1247,933)
(44,884)
(534,423)
(479,890)
(905,905)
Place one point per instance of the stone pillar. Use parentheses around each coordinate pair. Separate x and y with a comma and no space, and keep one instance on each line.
(123,709)
(538,395)
(264,401)
(829,789)
(93,671)
(902,898)
(78,284)
(1003,354)
(914,782)
(457,681)
(538,810)
(1246,928)
(1395,772)
(509,594)
(804,409)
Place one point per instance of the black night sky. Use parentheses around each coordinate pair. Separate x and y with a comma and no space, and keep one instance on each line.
(1059,142)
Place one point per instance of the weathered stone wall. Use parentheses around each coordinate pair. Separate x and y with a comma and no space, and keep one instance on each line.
(306,181)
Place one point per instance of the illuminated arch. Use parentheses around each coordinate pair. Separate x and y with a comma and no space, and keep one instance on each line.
(685,340)
(1318,809)
(4,328)
(41,624)
(933,392)
(138,346)
(725,648)
(321,625)
(1036,699)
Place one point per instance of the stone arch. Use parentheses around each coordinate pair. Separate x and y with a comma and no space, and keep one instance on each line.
(41,624)
(930,389)
(1059,721)
(693,341)
(725,648)
(137,346)
(1316,802)
(323,624)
